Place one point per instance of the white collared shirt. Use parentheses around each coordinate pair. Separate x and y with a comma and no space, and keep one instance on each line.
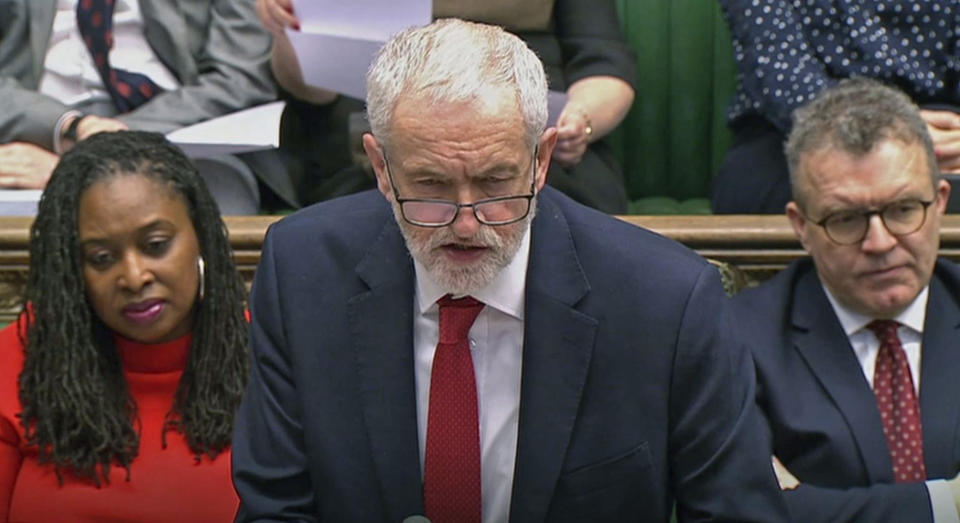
(496,345)
(69,74)
(866,346)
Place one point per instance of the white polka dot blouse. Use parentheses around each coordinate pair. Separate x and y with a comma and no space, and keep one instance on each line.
(788,51)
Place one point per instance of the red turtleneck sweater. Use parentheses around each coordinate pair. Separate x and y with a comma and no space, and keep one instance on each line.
(166,484)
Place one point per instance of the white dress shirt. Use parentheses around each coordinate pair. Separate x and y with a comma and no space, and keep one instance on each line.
(69,74)
(496,345)
(866,346)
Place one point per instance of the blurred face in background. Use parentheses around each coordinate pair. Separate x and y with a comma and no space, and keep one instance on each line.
(140,257)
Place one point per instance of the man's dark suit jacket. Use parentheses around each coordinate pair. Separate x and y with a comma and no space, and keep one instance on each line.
(822,412)
(632,394)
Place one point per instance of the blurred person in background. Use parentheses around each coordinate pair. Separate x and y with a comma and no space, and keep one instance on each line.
(72,68)
(789,51)
(584,53)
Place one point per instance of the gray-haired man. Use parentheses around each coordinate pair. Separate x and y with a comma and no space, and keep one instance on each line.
(435,349)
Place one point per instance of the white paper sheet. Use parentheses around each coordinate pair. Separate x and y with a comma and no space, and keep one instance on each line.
(375,20)
(252,129)
(334,62)
(19,202)
(338,39)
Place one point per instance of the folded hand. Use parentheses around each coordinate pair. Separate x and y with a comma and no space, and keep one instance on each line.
(25,166)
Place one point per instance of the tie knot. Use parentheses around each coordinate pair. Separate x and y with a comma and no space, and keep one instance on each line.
(884,329)
(456,317)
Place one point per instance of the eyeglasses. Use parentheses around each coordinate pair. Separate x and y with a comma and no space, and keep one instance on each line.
(901,217)
(427,212)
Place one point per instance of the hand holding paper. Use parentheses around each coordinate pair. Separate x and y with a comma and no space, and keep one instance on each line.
(277,15)
(337,40)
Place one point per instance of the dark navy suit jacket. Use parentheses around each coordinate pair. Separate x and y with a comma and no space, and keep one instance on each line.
(823,414)
(633,396)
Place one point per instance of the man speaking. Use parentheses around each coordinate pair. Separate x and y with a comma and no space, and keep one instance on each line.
(470,345)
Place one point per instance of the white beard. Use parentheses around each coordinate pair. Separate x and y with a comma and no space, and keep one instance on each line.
(502,243)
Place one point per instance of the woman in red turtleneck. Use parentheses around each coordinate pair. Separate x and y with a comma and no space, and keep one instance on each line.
(119,383)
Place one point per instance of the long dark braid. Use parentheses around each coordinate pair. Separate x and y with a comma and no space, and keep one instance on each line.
(77,409)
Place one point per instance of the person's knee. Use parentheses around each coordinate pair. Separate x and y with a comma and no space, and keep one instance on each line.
(231,183)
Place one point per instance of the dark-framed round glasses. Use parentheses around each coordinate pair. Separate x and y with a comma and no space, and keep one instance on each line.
(901,217)
(429,212)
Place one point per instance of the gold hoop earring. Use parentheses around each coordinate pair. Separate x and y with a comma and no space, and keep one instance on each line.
(200,269)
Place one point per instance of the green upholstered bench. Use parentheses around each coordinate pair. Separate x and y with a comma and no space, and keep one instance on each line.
(675,136)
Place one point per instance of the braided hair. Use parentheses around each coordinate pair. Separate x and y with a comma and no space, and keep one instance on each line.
(77,409)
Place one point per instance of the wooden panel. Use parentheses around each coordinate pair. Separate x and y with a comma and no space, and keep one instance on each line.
(756,245)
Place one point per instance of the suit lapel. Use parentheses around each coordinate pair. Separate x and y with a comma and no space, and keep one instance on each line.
(381,325)
(940,366)
(820,339)
(558,344)
(166,32)
(41,25)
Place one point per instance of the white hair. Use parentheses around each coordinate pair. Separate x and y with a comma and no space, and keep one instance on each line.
(452,60)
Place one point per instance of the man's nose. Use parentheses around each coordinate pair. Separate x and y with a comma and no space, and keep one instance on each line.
(465,224)
(878,238)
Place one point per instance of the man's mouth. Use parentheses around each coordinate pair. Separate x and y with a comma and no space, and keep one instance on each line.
(887,271)
(463,252)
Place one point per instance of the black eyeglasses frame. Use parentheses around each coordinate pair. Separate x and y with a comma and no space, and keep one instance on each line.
(457,206)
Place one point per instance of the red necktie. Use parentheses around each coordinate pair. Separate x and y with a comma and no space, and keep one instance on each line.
(95,23)
(899,409)
(451,483)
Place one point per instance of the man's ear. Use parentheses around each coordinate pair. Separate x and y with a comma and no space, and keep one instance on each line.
(798,220)
(943,196)
(548,140)
(375,154)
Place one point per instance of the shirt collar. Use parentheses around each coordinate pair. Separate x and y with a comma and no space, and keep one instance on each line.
(505,293)
(913,316)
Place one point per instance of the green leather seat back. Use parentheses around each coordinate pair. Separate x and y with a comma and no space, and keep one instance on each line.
(676,135)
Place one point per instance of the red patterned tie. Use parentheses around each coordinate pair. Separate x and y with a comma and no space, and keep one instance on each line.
(451,483)
(95,23)
(899,409)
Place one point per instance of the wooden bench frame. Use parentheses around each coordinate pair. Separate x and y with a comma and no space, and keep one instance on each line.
(757,246)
